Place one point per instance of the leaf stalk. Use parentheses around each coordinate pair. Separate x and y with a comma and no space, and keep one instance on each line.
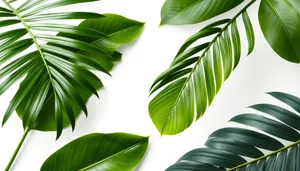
(17,150)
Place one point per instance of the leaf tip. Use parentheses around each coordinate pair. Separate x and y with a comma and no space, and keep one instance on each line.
(162,23)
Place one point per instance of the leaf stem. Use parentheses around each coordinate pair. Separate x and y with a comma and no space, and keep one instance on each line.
(17,150)
(266,156)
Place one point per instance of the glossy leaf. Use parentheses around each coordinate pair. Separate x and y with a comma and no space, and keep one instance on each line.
(58,78)
(117,29)
(227,147)
(179,12)
(280,22)
(105,152)
(196,75)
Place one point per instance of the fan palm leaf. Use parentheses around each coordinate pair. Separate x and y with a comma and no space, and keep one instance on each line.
(119,31)
(261,141)
(192,81)
(59,64)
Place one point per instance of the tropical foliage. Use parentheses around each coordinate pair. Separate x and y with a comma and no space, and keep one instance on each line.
(119,30)
(54,61)
(259,137)
(198,71)
(58,79)
(105,152)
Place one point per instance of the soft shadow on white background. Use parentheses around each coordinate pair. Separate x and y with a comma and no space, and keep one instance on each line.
(123,104)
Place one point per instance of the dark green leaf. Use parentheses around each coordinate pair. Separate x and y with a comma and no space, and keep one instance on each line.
(268,125)
(228,146)
(214,157)
(249,137)
(234,146)
(105,152)
(280,113)
(191,166)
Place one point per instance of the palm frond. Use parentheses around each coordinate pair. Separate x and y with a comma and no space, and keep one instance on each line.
(118,30)
(56,68)
(193,80)
(228,147)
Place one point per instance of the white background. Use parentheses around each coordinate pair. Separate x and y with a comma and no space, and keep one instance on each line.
(123,104)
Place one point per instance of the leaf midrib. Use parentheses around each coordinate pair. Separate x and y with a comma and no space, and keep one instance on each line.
(112,156)
(265,156)
(202,55)
(32,37)
(186,8)
(283,25)
(115,33)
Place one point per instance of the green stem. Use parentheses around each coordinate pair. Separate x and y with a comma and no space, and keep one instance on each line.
(266,156)
(17,150)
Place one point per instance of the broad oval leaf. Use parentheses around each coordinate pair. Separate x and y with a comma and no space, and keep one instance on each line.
(117,29)
(280,23)
(105,152)
(179,12)
(228,146)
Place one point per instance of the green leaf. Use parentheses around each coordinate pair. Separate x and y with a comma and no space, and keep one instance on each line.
(105,152)
(190,84)
(268,125)
(234,146)
(190,166)
(46,6)
(62,16)
(118,30)
(4,23)
(227,147)
(83,31)
(179,12)
(213,156)
(249,32)
(60,65)
(280,23)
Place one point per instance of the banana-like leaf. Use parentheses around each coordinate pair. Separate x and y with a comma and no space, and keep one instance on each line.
(280,23)
(179,12)
(197,73)
(105,152)
(59,70)
(118,30)
(228,147)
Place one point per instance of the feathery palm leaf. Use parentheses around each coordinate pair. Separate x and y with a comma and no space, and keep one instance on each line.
(192,81)
(52,67)
(227,147)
